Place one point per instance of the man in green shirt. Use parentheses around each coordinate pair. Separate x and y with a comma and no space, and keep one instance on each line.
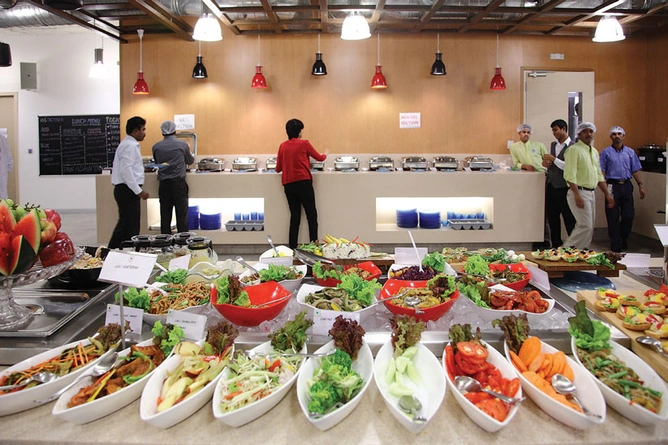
(582,172)
(526,154)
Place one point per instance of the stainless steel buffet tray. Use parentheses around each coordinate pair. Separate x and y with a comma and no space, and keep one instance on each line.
(472,224)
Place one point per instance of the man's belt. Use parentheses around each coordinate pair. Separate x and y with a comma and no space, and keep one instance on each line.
(585,188)
(617,181)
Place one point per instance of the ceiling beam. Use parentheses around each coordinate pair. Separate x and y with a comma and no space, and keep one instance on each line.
(579,19)
(547,7)
(271,16)
(375,17)
(494,4)
(165,17)
(220,15)
(426,17)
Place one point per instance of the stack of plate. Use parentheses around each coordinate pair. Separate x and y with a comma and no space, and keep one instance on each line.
(209,222)
(407,218)
(430,219)
(193,217)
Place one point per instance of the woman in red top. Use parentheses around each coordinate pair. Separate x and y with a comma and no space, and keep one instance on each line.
(293,161)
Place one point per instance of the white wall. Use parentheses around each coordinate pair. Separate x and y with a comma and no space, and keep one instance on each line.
(63,56)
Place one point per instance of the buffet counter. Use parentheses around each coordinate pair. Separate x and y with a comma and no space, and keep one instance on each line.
(362,204)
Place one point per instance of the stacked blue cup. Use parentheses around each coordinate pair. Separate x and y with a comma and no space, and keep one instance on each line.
(193,217)
(430,219)
(407,218)
(209,221)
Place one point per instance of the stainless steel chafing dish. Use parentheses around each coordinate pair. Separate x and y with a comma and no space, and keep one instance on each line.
(478,163)
(346,163)
(211,165)
(317,165)
(414,163)
(381,163)
(270,164)
(244,163)
(445,163)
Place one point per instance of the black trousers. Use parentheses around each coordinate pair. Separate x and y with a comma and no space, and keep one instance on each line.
(300,194)
(173,194)
(620,217)
(129,215)
(556,206)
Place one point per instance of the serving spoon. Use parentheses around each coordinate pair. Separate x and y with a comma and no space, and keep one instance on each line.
(411,405)
(564,386)
(271,243)
(467,384)
(250,353)
(241,261)
(41,377)
(417,254)
(646,340)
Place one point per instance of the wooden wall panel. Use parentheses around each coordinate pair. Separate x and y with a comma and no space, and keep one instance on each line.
(343,115)
(657,90)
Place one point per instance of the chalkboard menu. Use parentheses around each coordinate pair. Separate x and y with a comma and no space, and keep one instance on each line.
(77,145)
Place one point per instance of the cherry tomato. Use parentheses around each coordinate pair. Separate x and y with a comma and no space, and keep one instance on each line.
(473,351)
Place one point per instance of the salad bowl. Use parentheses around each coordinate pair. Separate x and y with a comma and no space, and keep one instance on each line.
(363,366)
(289,285)
(489,314)
(515,267)
(257,408)
(621,404)
(482,419)
(430,391)
(286,257)
(307,289)
(272,297)
(392,288)
(368,266)
(150,319)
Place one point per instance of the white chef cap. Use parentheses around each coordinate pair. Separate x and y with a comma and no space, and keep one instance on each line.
(585,125)
(524,127)
(168,127)
(617,129)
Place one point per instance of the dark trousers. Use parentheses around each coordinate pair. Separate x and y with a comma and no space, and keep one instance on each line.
(620,217)
(129,215)
(557,207)
(173,194)
(300,194)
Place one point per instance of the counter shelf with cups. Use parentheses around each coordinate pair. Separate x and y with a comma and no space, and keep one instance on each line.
(402,213)
(219,214)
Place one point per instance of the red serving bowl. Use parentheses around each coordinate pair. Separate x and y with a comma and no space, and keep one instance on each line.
(369,266)
(515,267)
(392,287)
(258,294)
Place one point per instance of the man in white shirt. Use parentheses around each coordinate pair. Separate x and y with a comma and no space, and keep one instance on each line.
(6,165)
(127,176)
(556,205)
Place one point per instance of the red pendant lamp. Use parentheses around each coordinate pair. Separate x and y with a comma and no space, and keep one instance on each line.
(378,82)
(258,82)
(141,87)
(498,82)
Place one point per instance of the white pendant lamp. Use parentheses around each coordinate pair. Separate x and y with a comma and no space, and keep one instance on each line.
(207,29)
(97,69)
(608,30)
(355,27)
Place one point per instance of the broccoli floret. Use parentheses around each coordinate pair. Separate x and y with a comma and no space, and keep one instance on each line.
(323,396)
(340,358)
(242,300)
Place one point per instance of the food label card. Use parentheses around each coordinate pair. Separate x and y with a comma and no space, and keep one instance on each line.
(323,320)
(636,260)
(193,325)
(407,255)
(132,315)
(181,262)
(539,278)
(129,269)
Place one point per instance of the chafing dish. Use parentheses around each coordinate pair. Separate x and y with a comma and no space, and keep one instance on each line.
(270,164)
(381,163)
(317,165)
(211,165)
(346,163)
(414,163)
(478,163)
(445,163)
(244,163)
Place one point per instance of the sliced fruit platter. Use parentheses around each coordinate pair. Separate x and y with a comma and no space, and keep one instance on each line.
(338,248)
(490,254)
(571,255)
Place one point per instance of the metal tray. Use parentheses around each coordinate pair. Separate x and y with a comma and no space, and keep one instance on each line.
(246,225)
(470,224)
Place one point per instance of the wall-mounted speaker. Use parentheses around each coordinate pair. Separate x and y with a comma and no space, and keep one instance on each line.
(5,54)
(28,76)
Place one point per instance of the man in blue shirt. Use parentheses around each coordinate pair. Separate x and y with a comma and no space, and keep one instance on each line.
(619,163)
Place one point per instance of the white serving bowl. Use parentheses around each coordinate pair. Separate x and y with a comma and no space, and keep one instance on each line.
(482,419)
(364,367)
(150,319)
(307,289)
(269,258)
(587,392)
(103,406)
(290,285)
(430,391)
(621,404)
(28,398)
(491,314)
(256,409)
(179,412)
(448,270)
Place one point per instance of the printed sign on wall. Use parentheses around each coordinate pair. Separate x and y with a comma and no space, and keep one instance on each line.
(409,120)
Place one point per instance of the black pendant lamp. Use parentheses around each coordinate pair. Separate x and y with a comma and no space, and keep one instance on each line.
(438,67)
(319,68)
(199,72)
(5,54)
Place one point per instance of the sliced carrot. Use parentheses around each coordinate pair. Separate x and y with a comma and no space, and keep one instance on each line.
(568,372)
(517,361)
(558,362)
(536,363)
(546,367)
(530,349)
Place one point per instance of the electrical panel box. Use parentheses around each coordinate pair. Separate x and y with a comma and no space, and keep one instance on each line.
(28,76)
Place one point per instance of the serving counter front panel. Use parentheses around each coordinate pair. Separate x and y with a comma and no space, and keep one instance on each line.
(356,204)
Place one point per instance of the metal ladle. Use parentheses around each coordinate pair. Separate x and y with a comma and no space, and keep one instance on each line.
(241,261)
(646,340)
(564,386)
(41,377)
(271,243)
(468,384)
(413,302)
(411,405)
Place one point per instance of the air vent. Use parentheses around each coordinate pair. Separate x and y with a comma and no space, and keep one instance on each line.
(64,5)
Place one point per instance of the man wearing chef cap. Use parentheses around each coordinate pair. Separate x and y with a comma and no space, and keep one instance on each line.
(173,156)
(582,172)
(526,154)
(619,163)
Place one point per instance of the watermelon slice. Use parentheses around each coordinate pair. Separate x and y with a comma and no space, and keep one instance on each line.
(22,256)
(5,253)
(30,228)
(7,221)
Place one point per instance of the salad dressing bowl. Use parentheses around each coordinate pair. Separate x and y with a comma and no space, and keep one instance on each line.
(621,404)
(289,285)
(430,392)
(363,366)
(253,410)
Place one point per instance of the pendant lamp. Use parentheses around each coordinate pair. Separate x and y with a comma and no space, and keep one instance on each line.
(608,30)
(319,68)
(497,83)
(378,81)
(97,69)
(258,82)
(438,67)
(199,72)
(207,29)
(355,27)
(141,87)
(5,54)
